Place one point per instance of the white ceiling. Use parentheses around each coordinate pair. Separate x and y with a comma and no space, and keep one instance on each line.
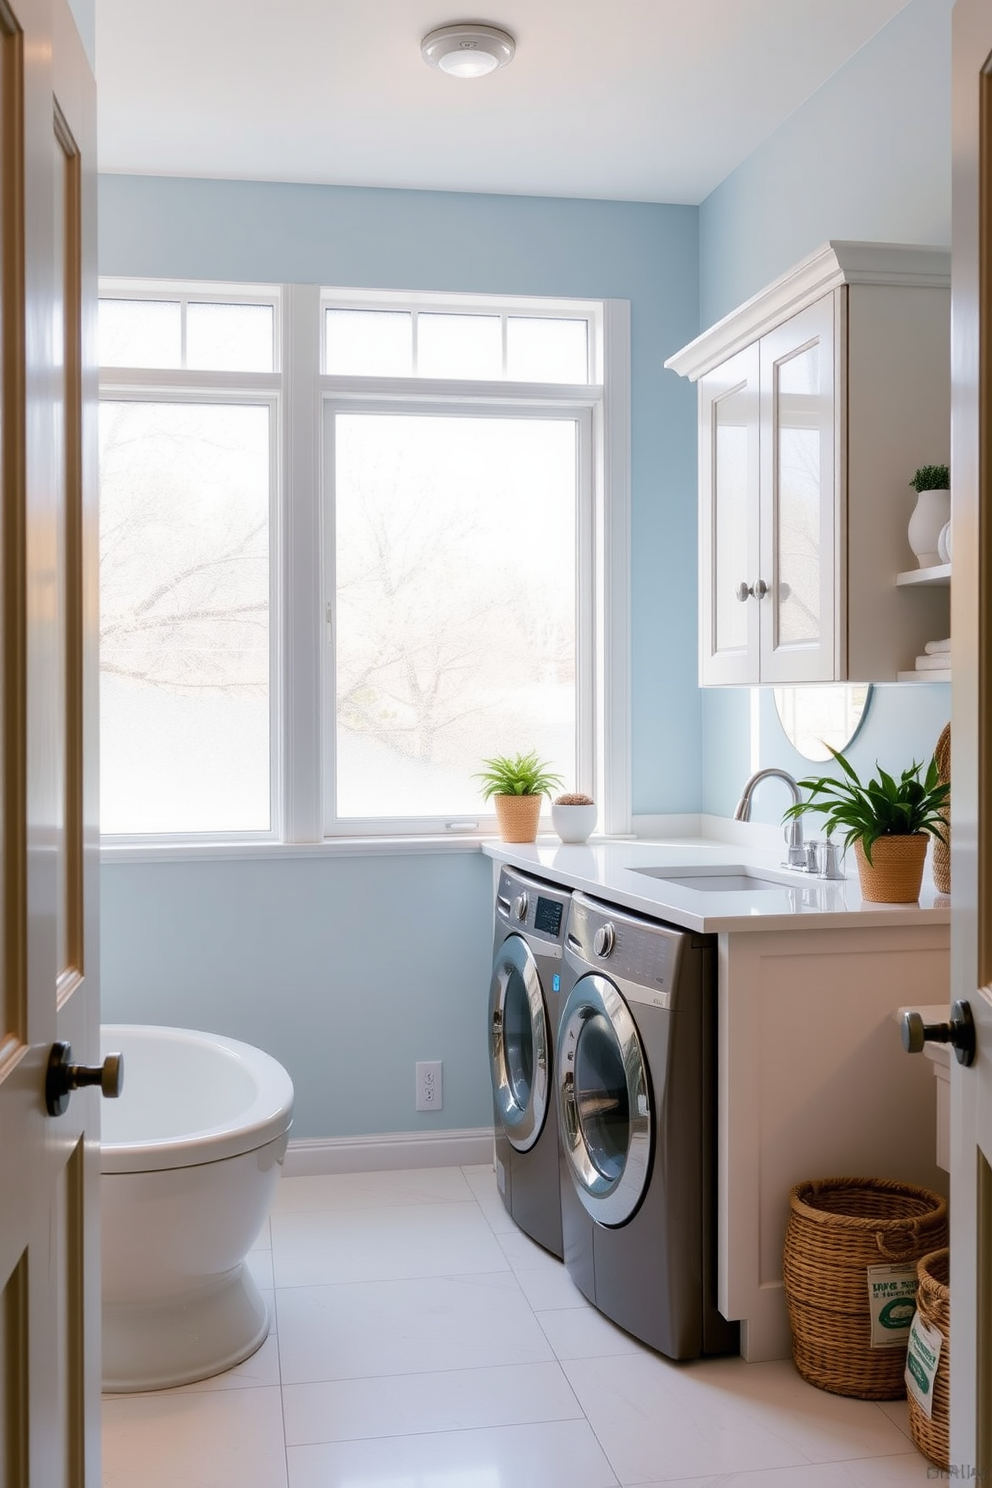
(641,100)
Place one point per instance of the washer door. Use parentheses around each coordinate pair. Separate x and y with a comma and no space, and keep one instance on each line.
(603,1101)
(520,1043)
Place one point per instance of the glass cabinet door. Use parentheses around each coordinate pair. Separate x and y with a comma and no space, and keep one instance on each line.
(728,521)
(799,503)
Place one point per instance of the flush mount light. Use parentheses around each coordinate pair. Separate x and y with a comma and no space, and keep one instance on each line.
(467,50)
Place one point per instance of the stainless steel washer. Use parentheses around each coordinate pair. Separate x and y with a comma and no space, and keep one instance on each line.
(524,1002)
(636,1096)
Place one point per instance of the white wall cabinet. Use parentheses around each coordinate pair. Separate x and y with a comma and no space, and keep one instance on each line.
(818,400)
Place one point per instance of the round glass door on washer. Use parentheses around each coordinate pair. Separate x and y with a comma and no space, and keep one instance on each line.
(636,1097)
(524,1001)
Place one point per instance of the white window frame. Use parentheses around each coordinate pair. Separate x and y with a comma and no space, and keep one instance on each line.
(300,678)
(258,389)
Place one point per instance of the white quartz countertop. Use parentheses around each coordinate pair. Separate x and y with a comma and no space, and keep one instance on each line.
(614,870)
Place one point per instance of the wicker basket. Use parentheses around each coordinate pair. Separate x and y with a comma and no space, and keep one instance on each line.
(837,1228)
(933,1302)
(942,850)
(518,817)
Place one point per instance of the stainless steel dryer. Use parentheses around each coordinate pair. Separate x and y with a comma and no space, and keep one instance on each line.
(524,1002)
(636,1095)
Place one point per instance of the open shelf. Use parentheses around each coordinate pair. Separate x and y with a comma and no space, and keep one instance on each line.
(939,574)
(942,674)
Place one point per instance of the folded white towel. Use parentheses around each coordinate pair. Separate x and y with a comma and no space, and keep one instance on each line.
(933,647)
(936,663)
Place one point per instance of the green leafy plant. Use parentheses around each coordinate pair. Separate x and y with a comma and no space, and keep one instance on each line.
(932,478)
(517,775)
(885,807)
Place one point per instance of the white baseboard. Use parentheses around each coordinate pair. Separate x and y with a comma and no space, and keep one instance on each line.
(310,1156)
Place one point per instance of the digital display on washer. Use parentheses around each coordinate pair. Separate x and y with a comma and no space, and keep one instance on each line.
(547,916)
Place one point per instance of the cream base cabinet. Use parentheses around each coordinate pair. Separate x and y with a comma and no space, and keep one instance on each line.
(818,400)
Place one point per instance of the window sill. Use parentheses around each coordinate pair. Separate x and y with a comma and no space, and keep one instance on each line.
(330,847)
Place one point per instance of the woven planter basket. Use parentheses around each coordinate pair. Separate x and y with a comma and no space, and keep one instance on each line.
(895,873)
(518,817)
(837,1228)
(933,1302)
(942,850)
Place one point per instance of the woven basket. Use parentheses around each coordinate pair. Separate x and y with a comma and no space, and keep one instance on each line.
(518,817)
(942,850)
(895,873)
(933,1302)
(837,1228)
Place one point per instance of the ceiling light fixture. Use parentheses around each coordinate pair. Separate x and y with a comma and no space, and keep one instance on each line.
(467,50)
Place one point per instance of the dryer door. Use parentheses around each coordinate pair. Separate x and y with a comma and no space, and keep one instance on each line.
(520,1043)
(603,1101)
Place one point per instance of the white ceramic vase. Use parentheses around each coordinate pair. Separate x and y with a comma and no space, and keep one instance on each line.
(573,823)
(932,510)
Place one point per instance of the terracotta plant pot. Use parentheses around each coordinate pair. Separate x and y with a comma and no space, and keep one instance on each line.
(518,817)
(895,873)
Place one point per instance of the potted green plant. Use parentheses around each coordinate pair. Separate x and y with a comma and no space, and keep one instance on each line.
(573,816)
(889,821)
(931,513)
(516,785)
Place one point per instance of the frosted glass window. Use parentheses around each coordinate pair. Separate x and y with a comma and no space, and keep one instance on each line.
(546,350)
(184,617)
(455,605)
(730,496)
(140,333)
(229,338)
(368,343)
(799,417)
(460,346)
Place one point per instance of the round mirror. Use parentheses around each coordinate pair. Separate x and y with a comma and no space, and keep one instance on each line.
(813,717)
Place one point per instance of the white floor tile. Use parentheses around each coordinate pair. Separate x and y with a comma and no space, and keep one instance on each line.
(406,1327)
(897,1411)
(309,1249)
(336,1191)
(824,1427)
(410,1404)
(584,1333)
(904,1471)
(547,1288)
(211,1440)
(524,1254)
(652,1428)
(555,1455)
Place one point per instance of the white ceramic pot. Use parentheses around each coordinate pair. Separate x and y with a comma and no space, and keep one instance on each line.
(932,510)
(573,823)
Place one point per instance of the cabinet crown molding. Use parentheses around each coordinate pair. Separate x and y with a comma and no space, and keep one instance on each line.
(837,262)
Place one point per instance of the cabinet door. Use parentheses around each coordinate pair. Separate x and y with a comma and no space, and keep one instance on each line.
(728,521)
(799,503)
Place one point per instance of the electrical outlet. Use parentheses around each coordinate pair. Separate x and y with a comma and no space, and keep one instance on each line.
(430,1096)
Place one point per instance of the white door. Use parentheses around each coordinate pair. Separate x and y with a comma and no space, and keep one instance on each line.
(971,767)
(49,1166)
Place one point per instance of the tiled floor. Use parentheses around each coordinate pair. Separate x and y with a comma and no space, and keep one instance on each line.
(420,1341)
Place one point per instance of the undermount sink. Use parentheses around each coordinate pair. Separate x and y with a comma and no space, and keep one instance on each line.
(724,879)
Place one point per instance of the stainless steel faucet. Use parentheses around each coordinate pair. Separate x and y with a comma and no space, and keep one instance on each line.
(797,849)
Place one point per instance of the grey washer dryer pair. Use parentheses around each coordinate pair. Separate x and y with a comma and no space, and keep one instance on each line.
(524,1004)
(636,1094)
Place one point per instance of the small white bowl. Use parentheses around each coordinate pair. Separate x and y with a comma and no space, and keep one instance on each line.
(573,823)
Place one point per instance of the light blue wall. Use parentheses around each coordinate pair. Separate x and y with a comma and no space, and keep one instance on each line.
(348,971)
(275,952)
(867,157)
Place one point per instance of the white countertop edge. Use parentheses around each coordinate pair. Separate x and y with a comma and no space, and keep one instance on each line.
(608,870)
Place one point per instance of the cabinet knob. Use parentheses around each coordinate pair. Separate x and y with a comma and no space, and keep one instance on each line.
(959,1033)
(757,590)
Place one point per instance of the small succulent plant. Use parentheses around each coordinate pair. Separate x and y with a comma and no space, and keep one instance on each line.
(574,798)
(932,478)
